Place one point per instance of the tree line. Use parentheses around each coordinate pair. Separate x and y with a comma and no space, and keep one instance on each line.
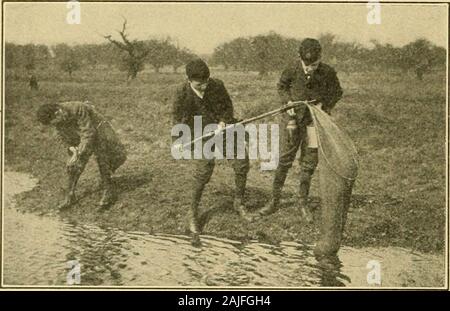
(128,55)
(162,52)
(272,52)
(262,53)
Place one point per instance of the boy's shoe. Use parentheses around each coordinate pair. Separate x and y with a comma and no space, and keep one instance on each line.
(68,202)
(269,209)
(239,207)
(108,198)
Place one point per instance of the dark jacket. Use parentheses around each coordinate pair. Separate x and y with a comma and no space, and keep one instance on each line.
(83,127)
(216,105)
(323,86)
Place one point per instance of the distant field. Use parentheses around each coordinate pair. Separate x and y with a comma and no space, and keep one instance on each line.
(396,122)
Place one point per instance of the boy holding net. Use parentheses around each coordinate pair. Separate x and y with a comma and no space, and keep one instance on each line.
(207,97)
(308,79)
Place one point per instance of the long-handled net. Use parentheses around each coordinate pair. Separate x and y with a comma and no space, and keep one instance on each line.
(338,169)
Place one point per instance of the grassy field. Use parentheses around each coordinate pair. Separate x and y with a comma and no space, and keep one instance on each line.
(396,122)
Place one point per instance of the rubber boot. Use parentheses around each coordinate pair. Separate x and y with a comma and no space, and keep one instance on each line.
(69,200)
(278,183)
(239,203)
(272,206)
(239,207)
(193,212)
(193,215)
(109,195)
(193,220)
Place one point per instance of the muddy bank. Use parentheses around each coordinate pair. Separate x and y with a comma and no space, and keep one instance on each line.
(38,249)
(154,202)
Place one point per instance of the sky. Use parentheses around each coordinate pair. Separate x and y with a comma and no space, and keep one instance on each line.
(203,26)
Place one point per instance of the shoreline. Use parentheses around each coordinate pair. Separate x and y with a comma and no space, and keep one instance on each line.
(100,218)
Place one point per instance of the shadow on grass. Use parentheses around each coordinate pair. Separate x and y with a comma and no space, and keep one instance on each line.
(122,184)
(130,182)
(255,199)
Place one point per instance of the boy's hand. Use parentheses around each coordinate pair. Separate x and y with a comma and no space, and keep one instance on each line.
(73,164)
(74,157)
(291,112)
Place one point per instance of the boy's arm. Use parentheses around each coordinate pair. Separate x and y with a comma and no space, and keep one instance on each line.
(227,111)
(284,86)
(87,130)
(178,109)
(334,92)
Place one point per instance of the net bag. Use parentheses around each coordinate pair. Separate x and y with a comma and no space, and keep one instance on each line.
(337,169)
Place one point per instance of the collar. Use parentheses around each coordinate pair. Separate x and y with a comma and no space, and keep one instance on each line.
(197,92)
(310,68)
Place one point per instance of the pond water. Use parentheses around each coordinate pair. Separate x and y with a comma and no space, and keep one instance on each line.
(48,250)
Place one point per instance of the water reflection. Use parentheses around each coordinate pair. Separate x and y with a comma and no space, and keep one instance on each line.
(114,257)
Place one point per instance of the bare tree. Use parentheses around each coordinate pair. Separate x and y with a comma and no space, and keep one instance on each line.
(136,52)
